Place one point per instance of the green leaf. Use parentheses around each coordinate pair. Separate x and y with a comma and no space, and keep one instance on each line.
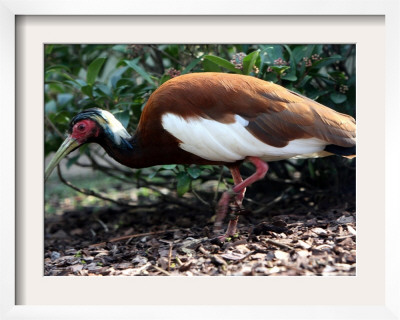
(326,78)
(153,174)
(117,75)
(304,81)
(338,97)
(169,166)
(270,76)
(61,117)
(123,117)
(289,77)
(318,48)
(338,75)
(103,90)
(301,52)
(48,48)
(64,98)
(270,53)
(222,63)
(56,67)
(88,90)
(66,75)
(315,94)
(291,73)
(194,172)
(173,50)
(183,185)
(94,69)
(121,48)
(207,167)
(249,61)
(209,66)
(132,64)
(84,149)
(50,107)
(136,110)
(124,82)
(191,65)
(81,83)
(164,78)
(78,83)
(326,61)
(72,160)
(279,69)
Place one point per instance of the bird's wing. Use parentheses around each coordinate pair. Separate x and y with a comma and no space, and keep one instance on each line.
(212,113)
(288,116)
(276,115)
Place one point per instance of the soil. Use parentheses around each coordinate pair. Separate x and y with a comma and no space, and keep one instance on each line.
(301,233)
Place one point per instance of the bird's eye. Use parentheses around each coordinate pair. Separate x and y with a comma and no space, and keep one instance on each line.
(81,127)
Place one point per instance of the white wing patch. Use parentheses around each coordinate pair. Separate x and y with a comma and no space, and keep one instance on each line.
(116,127)
(242,121)
(231,142)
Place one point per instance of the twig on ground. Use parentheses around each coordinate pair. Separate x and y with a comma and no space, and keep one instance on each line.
(172,199)
(219,181)
(248,254)
(169,256)
(345,237)
(165,197)
(103,225)
(133,236)
(91,192)
(278,244)
(292,182)
(178,261)
(200,198)
(204,251)
(271,203)
(162,270)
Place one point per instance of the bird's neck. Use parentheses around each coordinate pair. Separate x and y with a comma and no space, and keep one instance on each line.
(128,152)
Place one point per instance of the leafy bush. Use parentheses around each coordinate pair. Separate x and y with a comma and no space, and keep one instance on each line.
(120,78)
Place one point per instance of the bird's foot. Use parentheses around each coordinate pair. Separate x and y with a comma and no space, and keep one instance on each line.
(231,231)
(222,209)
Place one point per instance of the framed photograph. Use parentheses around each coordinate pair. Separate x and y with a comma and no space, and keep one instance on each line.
(27,26)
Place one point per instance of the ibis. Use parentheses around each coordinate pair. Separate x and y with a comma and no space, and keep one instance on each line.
(217,119)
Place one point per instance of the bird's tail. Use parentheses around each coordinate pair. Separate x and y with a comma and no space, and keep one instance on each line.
(347,152)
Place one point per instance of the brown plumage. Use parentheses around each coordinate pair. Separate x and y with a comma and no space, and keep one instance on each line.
(262,121)
(276,115)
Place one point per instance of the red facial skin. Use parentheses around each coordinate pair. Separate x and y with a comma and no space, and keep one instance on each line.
(85,129)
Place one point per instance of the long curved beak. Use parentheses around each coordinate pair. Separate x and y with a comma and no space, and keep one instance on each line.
(67,146)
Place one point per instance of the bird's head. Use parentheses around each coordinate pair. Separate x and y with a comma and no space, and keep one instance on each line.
(92,125)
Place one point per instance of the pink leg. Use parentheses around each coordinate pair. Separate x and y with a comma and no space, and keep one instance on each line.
(261,170)
(237,179)
(238,190)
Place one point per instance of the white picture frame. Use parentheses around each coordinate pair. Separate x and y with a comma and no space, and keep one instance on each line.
(9,178)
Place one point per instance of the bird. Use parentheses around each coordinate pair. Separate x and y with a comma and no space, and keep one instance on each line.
(214,118)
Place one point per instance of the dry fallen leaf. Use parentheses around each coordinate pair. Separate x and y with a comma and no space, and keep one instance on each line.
(233,256)
(304,244)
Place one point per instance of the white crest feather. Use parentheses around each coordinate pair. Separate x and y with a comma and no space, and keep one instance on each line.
(116,127)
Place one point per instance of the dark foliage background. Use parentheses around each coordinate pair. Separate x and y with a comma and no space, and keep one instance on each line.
(120,78)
